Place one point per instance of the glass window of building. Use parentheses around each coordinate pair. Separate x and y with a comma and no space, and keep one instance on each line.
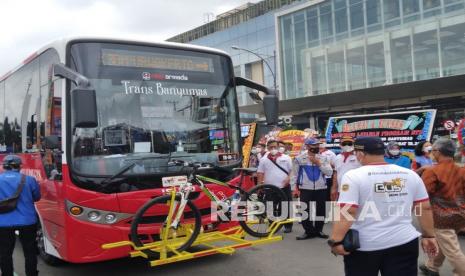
(300,44)
(288,57)
(326,21)
(401,59)
(318,69)
(411,9)
(376,69)
(357,21)
(426,55)
(373,12)
(391,13)
(336,69)
(453,49)
(453,5)
(340,18)
(312,27)
(356,66)
(431,8)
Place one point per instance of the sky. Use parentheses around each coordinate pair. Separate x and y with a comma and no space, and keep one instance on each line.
(27,25)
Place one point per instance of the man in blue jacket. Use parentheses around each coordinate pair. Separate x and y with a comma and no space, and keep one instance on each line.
(23,219)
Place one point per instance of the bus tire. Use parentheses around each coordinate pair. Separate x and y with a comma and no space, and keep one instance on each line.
(47,258)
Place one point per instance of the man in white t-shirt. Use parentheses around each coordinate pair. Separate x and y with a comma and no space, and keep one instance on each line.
(381,197)
(344,162)
(274,168)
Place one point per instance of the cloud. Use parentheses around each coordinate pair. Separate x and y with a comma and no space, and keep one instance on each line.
(30,24)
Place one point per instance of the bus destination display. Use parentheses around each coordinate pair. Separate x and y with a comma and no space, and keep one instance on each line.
(156,61)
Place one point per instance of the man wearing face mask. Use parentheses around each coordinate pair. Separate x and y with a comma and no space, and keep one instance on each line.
(393,156)
(274,169)
(344,162)
(388,240)
(282,147)
(331,156)
(445,183)
(308,177)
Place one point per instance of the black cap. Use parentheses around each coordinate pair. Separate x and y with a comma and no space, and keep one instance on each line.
(373,145)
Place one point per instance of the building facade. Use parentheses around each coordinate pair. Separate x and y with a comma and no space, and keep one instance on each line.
(250,27)
(338,57)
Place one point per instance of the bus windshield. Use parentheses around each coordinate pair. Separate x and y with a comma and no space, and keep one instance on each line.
(155,104)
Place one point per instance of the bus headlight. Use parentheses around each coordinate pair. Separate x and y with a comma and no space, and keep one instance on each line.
(93,216)
(110,218)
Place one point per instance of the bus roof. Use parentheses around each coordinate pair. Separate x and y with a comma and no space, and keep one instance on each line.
(61,44)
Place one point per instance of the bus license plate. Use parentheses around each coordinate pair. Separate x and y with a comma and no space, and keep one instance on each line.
(172,181)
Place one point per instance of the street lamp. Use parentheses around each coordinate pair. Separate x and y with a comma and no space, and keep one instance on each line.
(264,60)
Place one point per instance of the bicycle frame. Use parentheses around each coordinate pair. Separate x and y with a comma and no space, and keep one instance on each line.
(186,189)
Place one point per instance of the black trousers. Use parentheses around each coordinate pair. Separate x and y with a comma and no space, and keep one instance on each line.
(329,184)
(314,198)
(27,236)
(394,261)
(287,191)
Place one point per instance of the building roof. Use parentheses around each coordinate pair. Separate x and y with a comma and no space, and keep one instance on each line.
(230,18)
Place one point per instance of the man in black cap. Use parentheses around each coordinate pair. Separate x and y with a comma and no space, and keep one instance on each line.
(22,219)
(377,200)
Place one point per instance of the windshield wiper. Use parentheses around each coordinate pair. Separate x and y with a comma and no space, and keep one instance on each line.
(130,166)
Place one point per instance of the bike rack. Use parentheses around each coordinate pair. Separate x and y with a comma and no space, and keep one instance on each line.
(214,242)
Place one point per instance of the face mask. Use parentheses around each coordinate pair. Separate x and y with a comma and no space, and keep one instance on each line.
(254,151)
(394,152)
(312,150)
(428,149)
(282,149)
(347,148)
(322,146)
(274,151)
(258,150)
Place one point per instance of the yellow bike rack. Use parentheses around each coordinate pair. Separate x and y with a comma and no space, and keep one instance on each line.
(216,242)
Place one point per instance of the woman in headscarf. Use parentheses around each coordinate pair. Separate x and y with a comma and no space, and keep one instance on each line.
(394,156)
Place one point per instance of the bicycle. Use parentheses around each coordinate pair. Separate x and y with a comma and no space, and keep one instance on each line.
(165,218)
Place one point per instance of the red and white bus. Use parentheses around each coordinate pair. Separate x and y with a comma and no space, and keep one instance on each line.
(81,111)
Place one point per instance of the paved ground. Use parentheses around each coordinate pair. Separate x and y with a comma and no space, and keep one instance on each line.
(286,258)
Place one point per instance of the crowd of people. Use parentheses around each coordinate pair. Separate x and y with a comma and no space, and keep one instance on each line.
(368,172)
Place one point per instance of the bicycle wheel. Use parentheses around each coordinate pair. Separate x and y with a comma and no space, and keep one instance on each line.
(149,225)
(257,220)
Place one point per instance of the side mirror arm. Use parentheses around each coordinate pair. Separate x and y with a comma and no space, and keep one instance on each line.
(60,70)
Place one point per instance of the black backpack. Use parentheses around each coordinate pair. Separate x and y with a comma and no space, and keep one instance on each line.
(9,204)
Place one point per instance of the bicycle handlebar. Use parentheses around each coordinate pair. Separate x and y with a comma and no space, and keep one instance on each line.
(197,165)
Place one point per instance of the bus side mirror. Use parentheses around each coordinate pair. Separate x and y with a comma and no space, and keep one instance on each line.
(270,100)
(84,108)
(52,142)
(271,109)
(83,99)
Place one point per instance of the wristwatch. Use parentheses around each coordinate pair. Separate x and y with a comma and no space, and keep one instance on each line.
(334,243)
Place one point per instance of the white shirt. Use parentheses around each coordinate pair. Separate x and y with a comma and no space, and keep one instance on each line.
(386,193)
(331,157)
(341,166)
(272,174)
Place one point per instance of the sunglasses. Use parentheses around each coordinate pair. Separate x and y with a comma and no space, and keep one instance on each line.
(347,144)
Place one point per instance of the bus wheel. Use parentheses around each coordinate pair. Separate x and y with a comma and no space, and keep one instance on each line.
(47,258)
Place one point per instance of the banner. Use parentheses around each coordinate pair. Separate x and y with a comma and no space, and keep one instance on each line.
(248,133)
(295,137)
(406,128)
